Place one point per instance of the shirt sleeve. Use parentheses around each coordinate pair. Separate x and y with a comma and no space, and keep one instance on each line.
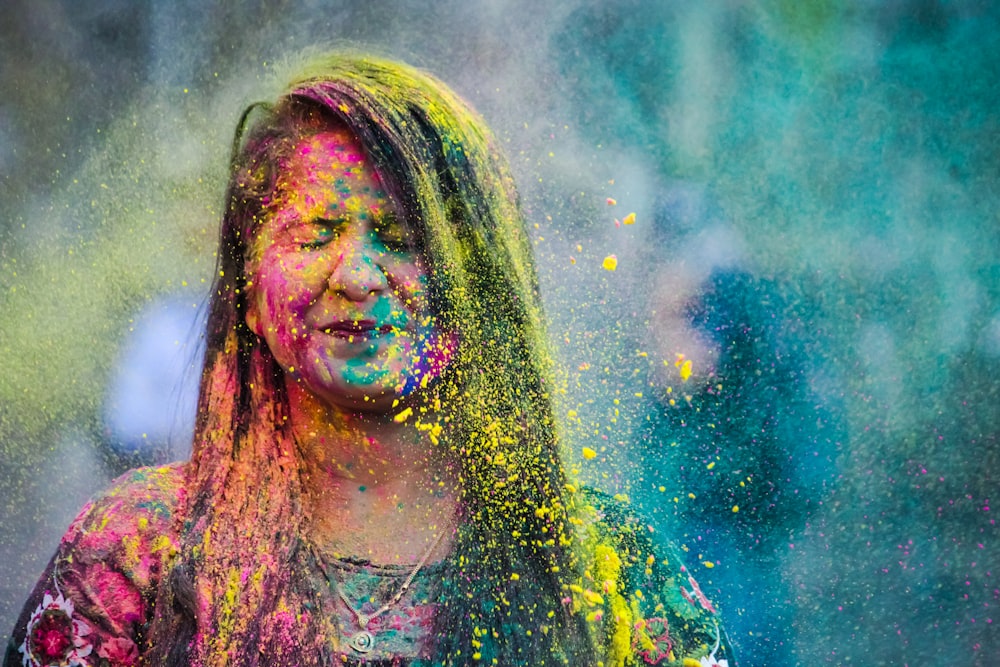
(92,605)
(650,609)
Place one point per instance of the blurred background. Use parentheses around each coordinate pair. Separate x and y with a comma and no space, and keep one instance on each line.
(767,234)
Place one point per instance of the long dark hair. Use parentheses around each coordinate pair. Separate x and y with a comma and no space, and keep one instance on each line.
(235,593)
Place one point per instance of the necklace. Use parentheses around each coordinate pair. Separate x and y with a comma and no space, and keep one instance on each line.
(362,640)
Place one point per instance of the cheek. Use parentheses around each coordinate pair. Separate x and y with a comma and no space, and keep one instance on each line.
(289,282)
(411,286)
(276,308)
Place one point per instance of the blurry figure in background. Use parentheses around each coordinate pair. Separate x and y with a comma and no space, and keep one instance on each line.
(151,400)
(376,476)
(738,451)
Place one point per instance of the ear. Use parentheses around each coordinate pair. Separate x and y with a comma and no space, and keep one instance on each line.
(252,318)
(252,315)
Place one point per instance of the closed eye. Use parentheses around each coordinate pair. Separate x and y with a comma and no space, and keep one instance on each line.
(319,232)
(392,233)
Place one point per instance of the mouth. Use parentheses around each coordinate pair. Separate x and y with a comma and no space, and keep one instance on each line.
(353,330)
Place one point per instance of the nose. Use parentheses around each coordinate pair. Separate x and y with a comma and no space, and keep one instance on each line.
(358,274)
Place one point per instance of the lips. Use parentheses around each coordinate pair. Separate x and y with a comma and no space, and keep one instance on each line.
(355,329)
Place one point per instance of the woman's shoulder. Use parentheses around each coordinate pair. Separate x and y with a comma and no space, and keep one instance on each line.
(95,595)
(131,524)
(612,520)
(637,586)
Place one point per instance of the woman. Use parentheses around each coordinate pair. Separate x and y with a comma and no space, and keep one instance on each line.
(375,477)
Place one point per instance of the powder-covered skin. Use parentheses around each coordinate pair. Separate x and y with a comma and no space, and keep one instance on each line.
(338,290)
(98,588)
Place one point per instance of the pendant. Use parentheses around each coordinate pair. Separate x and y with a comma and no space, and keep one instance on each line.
(362,641)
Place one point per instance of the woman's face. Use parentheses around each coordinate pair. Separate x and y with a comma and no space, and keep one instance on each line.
(338,291)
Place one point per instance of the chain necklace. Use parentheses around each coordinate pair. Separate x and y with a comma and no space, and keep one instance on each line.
(363,641)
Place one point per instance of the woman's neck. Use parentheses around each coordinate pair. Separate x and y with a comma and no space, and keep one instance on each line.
(374,488)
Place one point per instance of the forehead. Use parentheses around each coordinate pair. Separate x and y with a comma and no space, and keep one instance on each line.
(324,156)
(326,173)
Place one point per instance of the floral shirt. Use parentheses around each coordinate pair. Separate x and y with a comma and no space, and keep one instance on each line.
(401,631)
(93,604)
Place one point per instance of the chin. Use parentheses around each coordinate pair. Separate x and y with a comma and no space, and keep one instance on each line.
(373,401)
(376,406)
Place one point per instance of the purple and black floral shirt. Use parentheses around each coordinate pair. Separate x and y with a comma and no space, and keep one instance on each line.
(93,604)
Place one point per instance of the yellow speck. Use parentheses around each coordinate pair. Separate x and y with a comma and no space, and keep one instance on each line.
(515,576)
(736,508)
(403,416)
(611,202)
(711,465)
(629,219)
(610,263)
(709,564)
(589,453)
